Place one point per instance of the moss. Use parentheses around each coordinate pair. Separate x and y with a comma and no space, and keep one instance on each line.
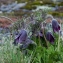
(53,5)
(56,13)
(37,3)
(48,3)
(29,6)
(60,4)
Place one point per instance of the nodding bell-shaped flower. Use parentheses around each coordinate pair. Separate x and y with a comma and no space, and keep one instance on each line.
(50,37)
(55,25)
(21,37)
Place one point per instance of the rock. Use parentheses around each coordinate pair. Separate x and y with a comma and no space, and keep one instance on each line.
(6,1)
(11,7)
(18,6)
(59,9)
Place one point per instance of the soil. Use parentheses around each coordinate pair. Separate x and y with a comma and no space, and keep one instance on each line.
(5,23)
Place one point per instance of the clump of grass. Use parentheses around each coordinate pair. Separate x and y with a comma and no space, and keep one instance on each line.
(12,54)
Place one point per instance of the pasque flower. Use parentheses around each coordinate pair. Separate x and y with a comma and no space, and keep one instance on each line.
(55,25)
(23,39)
(39,34)
(50,37)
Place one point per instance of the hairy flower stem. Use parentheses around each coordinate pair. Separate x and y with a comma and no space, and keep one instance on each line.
(59,40)
(58,43)
(39,41)
(45,37)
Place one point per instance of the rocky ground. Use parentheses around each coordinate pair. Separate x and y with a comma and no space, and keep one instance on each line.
(5,22)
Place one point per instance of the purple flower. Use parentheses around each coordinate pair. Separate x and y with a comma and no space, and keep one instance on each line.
(50,37)
(21,37)
(39,34)
(55,26)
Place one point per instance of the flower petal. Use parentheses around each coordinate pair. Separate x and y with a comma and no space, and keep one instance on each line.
(49,37)
(21,37)
(55,26)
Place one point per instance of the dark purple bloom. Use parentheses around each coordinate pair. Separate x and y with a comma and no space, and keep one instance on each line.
(50,37)
(21,37)
(39,34)
(55,26)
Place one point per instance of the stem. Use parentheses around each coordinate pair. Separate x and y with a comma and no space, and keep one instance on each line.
(44,57)
(59,39)
(43,30)
(59,42)
(39,41)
